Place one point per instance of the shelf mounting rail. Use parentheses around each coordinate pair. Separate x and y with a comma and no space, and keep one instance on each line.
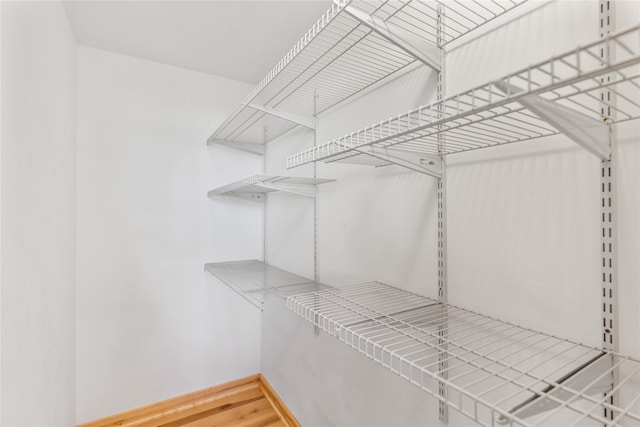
(608,206)
(558,95)
(496,373)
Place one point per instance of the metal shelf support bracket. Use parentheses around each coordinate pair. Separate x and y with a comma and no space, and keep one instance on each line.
(249,147)
(589,133)
(254,197)
(591,378)
(418,162)
(425,52)
(299,119)
(300,190)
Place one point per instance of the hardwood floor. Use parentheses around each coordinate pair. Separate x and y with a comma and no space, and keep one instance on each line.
(248,402)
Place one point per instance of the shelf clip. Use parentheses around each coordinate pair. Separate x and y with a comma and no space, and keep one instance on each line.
(299,119)
(418,162)
(249,147)
(591,378)
(425,52)
(299,189)
(589,133)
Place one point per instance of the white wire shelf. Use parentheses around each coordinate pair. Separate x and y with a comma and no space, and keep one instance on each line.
(493,372)
(341,55)
(254,280)
(558,95)
(256,186)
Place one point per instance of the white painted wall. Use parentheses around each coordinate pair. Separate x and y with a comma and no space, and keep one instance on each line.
(38,199)
(151,324)
(1,211)
(523,222)
(523,242)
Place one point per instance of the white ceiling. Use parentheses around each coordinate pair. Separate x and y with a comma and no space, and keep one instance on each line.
(241,40)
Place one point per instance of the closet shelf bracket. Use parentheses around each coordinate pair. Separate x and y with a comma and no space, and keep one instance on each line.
(425,52)
(299,189)
(299,119)
(418,162)
(590,134)
(253,196)
(592,378)
(249,147)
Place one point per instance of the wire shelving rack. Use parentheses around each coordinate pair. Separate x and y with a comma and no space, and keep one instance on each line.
(497,373)
(255,280)
(341,56)
(494,372)
(560,95)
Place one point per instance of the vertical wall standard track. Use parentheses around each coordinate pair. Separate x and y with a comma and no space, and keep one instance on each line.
(264,203)
(316,205)
(443,408)
(608,189)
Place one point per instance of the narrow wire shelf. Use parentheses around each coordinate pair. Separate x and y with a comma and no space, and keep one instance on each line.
(340,56)
(254,280)
(256,186)
(558,95)
(494,372)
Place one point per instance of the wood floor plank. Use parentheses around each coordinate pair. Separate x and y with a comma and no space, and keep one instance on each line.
(209,413)
(248,402)
(221,402)
(247,415)
(260,418)
(150,414)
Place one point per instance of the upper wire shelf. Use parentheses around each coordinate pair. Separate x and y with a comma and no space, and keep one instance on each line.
(494,372)
(254,280)
(255,187)
(558,95)
(353,46)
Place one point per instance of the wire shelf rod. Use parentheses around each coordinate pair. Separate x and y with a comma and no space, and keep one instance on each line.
(626,411)
(387,332)
(567,79)
(439,347)
(318,58)
(316,61)
(253,280)
(403,311)
(582,395)
(449,359)
(338,48)
(544,392)
(525,362)
(521,360)
(524,386)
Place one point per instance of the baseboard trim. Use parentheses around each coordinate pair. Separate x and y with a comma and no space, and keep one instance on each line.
(285,415)
(177,408)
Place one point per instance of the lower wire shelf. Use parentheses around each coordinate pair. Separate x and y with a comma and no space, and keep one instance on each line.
(254,280)
(494,372)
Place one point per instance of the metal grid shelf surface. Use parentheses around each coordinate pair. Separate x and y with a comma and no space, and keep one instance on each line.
(254,280)
(495,373)
(558,95)
(256,186)
(340,56)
